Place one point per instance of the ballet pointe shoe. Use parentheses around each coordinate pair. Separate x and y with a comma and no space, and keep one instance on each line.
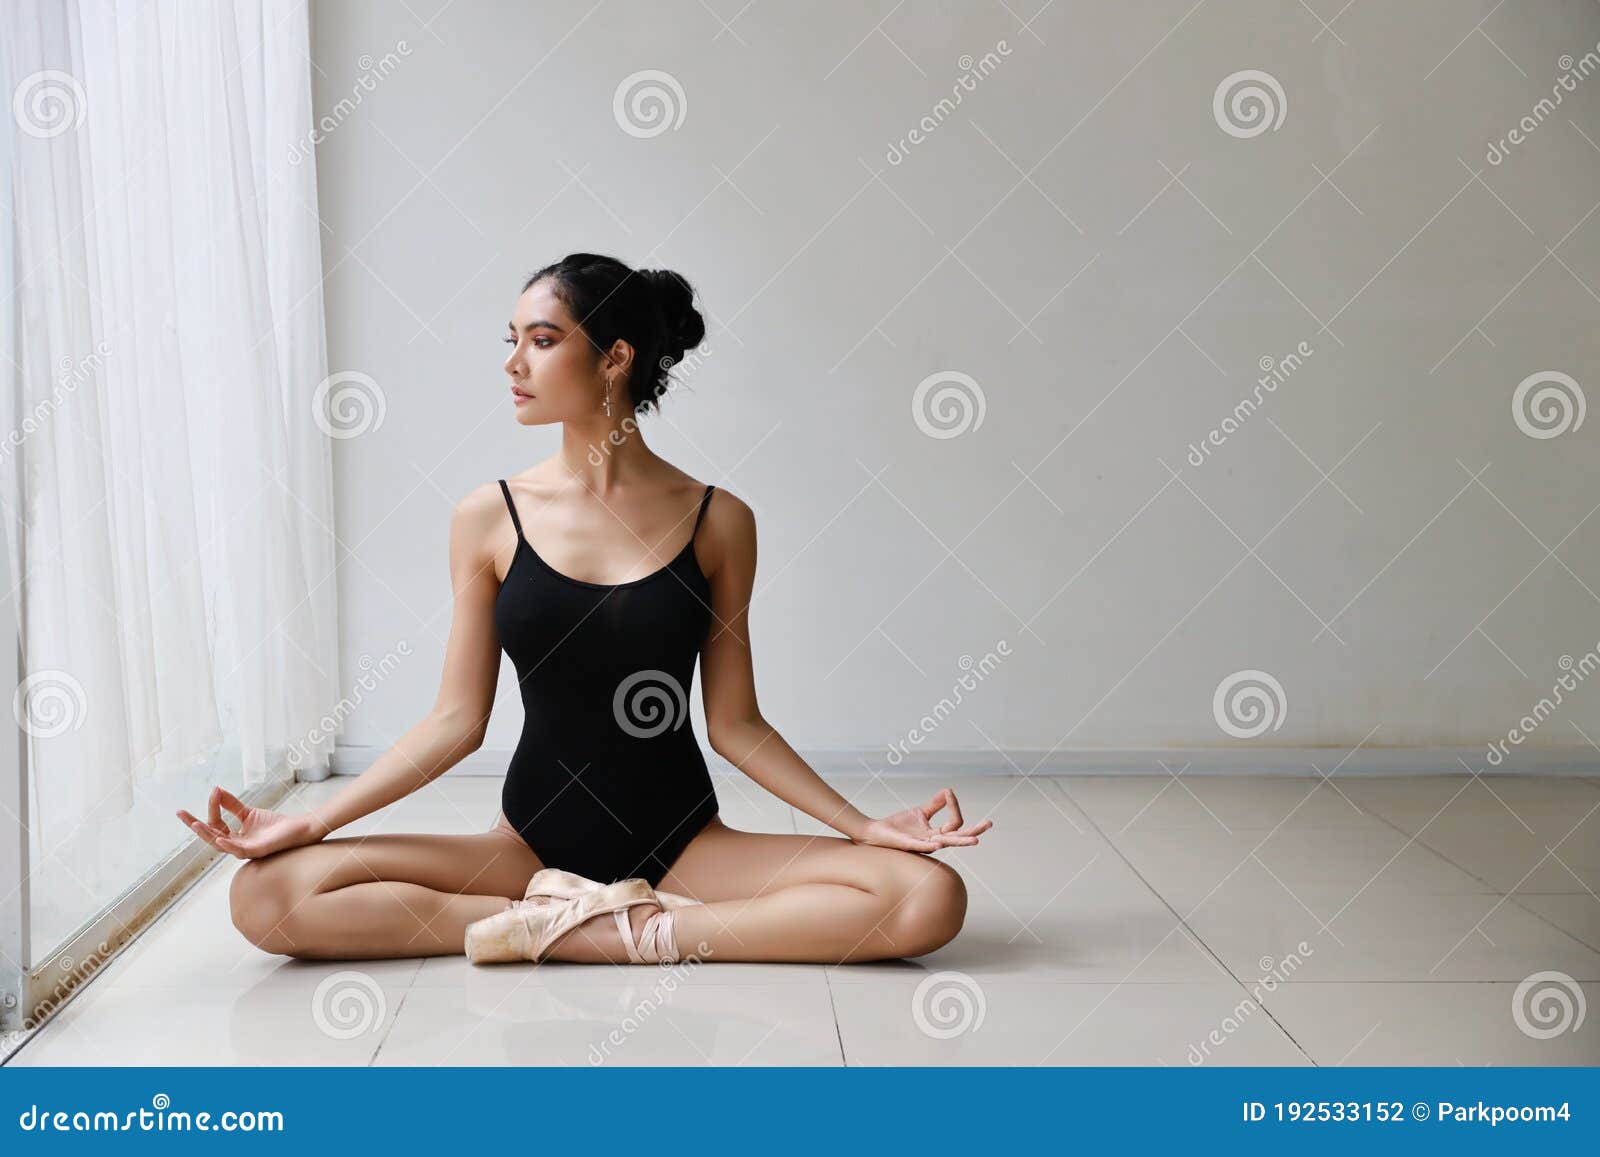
(527,931)
(557,901)
(656,944)
(555,883)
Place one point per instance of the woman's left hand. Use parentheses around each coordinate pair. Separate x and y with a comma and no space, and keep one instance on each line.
(912,831)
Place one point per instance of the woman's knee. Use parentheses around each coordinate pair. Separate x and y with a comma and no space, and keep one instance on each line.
(261,900)
(931,907)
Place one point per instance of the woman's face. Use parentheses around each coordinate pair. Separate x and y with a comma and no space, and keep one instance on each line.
(556,375)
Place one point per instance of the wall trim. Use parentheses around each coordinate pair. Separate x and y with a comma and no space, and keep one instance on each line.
(1263,761)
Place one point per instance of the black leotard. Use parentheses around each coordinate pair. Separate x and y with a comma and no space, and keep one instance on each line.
(608,779)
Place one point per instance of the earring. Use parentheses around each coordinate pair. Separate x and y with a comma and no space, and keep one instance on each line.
(608,399)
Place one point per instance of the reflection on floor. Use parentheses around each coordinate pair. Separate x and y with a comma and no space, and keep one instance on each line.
(1112,920)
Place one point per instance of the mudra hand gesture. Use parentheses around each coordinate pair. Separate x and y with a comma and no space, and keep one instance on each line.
(913,831)
(261,832)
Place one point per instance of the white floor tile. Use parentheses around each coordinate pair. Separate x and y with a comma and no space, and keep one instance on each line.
(1463,793)
(1214,802)
(951,1019)
(1185,865)
(649,1023)
(322,1015)
(1380,936)
(1427,1024)
(1540,848)
(1577,914)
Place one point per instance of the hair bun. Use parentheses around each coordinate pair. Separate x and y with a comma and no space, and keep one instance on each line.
(686,329)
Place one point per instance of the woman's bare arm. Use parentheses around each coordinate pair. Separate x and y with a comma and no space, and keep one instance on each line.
(455,727)
(448,733)
(737,731)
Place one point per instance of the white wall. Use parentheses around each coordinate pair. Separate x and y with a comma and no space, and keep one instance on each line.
(1083,239)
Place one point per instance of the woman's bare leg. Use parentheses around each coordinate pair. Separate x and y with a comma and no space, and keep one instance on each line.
(782,897)
(766,897)
(368,897)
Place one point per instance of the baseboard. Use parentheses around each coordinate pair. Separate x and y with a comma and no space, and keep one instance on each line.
(1264,761)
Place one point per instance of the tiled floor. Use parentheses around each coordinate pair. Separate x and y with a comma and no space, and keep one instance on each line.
(1112,920)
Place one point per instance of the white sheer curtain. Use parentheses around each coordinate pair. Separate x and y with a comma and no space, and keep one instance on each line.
(167,477)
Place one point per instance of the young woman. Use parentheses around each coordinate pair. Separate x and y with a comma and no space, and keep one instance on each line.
(607,807)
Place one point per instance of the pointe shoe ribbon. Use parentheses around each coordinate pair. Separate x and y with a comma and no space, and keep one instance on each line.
(529,929)
(656,943)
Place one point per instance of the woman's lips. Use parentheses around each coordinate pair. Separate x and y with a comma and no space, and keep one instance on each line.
(518,397)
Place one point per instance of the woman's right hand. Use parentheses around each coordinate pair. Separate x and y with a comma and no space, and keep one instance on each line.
(260,833)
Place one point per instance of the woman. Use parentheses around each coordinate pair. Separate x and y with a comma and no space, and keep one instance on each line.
(607,806)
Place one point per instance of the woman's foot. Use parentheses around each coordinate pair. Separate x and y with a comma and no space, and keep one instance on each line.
(653,939)
(605,937)
(559,903)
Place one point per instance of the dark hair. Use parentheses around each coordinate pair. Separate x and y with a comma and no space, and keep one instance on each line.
(650,309)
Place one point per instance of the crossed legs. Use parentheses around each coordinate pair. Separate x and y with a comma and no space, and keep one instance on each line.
(821,899)
(368,897)
(765,897)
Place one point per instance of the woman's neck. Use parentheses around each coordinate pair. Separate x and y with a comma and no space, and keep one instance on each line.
(604,453)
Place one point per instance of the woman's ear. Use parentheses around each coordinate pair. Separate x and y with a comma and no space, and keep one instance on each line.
(620,358)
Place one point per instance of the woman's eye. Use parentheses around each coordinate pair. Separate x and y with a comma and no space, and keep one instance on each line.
(509,340)
(542,342)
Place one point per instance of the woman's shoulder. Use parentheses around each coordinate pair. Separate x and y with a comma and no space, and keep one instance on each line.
(728,509)
(483,503)
(722,504)
(477,517)
(728,531)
